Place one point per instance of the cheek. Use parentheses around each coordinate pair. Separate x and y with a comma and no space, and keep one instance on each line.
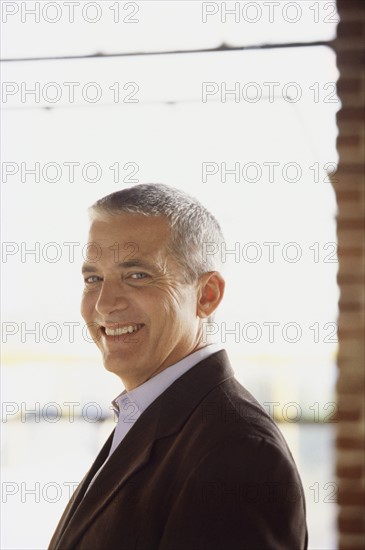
(178,307)
(86,306)
(167,307)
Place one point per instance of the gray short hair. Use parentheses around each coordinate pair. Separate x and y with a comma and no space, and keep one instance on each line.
(195,233)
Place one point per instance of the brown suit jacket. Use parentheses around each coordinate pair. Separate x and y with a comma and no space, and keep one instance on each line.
(203,468)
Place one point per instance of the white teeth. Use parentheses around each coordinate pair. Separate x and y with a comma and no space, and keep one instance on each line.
(120,331)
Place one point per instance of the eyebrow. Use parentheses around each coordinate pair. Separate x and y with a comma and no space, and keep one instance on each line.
(89,268)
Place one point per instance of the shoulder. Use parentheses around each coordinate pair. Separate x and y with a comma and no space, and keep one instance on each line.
(232,410)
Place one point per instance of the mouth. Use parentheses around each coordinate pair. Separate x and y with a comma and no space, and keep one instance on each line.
(120,333)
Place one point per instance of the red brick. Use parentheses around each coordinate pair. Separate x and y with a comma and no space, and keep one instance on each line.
(351,542)
(351,496)
(352,472)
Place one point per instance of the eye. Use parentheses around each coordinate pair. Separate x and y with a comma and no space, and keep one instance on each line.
(92,279)
(139,275)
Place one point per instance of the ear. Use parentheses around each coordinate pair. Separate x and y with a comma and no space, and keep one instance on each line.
(211,291)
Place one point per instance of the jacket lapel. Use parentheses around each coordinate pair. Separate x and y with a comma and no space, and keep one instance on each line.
(80,491)
(163,417)
(128,457)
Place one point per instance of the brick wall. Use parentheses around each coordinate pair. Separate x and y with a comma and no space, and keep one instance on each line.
(349,188)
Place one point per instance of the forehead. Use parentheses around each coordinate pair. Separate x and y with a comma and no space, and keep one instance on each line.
(148,233)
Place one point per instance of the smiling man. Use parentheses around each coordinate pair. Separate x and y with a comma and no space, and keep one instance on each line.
(195,463)
(137,293)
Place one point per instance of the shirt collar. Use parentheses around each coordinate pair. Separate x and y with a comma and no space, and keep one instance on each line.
(141,397)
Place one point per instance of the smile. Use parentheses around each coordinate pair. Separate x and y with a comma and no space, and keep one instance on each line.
(119,331)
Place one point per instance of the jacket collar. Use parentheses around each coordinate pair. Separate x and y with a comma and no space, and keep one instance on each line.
(164,417)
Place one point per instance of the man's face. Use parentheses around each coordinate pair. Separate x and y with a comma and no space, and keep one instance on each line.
(141,314)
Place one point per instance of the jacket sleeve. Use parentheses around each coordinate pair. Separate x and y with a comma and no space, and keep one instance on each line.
(246,495)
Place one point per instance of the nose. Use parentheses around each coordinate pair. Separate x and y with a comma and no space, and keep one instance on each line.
(111,298)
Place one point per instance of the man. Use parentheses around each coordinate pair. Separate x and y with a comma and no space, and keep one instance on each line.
(194,463)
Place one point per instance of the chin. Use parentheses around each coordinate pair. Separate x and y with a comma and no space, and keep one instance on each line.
(118,366)
(115,365)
